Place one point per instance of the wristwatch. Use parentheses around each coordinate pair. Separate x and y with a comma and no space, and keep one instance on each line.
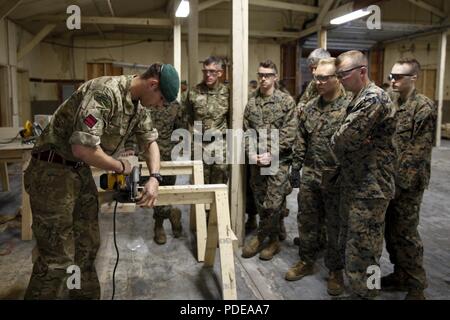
(157,176)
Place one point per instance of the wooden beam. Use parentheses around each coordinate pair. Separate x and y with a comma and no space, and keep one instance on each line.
(322,38)
(441,84)
(209,3)
(7,7)
(119,21)
(285,6)
(252,33)
(177,48)
(193,43)
(422,4)
(35,41)
(308,31)
(239,97)
(111,9)
(323,11)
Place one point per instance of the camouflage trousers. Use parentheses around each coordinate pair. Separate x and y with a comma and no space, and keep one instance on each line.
(214,173)
(363,229)
(64,205)
(163,212)
(403,241)
(269,192)
(319,207)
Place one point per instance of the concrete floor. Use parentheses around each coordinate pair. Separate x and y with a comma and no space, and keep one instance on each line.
(149,271)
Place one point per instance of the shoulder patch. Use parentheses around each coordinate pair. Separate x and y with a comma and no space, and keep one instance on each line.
(90,121)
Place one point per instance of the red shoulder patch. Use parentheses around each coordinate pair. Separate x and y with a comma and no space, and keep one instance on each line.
(90,121)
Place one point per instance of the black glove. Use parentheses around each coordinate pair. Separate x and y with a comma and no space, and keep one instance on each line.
(294,178)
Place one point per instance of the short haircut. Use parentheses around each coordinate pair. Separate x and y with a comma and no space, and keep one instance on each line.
(413,63)
(316,55)
(214,60)
(269,64)
(358,58)
(327,61)
(154,71)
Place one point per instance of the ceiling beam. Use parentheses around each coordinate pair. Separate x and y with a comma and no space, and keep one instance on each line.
(7,7)
(35,41)
(429,7)
(120,21)
(323,11)
(111,9)
(209,3)
(285,6)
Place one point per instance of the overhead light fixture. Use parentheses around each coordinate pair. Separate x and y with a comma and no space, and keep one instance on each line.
(351,16)
(183,9)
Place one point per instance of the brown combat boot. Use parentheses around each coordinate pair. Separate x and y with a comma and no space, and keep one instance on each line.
(251,223)
(271,249)
(252,247)
(175,221)
(160,234)
(299,270)
(415,294)
(335,286)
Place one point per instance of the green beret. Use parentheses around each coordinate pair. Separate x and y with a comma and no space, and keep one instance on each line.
(169,82)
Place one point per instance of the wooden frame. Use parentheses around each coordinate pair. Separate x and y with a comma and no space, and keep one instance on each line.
(197,214)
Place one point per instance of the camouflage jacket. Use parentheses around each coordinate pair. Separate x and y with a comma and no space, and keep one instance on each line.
(309,94)
(165,119)
(364,145)
(210,106)
(274,112)
(102,113)
(317,123)
(415,138)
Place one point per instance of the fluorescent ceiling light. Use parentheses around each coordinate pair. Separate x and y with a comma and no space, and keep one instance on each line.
(351,16)
(183,9)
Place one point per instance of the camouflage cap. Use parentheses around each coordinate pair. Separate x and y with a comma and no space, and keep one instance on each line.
(169,82)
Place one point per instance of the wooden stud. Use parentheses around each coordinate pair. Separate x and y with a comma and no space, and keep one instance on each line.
(4,176)
(441,84)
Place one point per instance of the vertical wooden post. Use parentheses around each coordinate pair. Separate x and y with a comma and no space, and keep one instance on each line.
(238,102)
(25,209)
(440,84)
(198,214)
(177,48)
(193,43)
(13,104)
(4,176)
(322,38)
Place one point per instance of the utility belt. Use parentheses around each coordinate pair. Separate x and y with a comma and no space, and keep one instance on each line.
(52,157)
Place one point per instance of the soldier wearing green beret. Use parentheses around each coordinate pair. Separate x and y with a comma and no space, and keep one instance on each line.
(88,129)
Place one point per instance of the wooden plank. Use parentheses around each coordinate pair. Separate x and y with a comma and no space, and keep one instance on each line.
(4,176)
(308,31)
(35,41)
(198,215)
(252,33)
(212,237)
(8,7)
(193,43)
(226,237)
(434,10)
(285,6)
(441,84)
(239,98)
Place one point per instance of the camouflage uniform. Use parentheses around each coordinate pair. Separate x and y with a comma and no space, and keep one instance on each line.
(270,191)
(415,139)
(366,152)
(318,198)
(166,120)
(211,107)
(309,94)
(64,198)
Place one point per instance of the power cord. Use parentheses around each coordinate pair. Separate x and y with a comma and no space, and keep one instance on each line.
(117,253)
